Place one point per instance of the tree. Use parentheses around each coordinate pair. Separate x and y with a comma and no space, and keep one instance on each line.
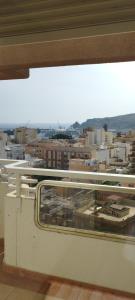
(119,134)
(61,136)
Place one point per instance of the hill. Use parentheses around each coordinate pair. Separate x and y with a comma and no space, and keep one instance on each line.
(118,123)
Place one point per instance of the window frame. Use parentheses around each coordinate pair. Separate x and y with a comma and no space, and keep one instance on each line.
(74,231)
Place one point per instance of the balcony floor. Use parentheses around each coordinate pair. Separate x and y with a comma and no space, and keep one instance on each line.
(13,287)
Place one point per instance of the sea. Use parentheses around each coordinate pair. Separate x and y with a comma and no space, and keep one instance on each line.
(10,126)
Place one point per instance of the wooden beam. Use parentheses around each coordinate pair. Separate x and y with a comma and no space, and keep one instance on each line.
(14,74)
(87,50)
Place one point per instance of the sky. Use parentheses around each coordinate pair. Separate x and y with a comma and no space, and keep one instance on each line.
(69,94)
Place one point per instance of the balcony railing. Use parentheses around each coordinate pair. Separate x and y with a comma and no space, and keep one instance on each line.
(64,245)
(20,182)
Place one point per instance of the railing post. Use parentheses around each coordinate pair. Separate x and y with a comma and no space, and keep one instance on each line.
(18,185)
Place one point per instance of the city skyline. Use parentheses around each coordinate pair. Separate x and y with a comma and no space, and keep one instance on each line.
(69,94)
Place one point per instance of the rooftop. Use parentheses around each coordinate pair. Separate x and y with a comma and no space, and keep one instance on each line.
(118,207)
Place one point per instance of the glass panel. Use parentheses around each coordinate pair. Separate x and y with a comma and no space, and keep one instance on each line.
(107,212)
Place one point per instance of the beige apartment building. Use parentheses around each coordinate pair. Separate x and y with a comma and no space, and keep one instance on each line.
(24,135)
(57,155)
(3,143)
(89,165)
(98,137)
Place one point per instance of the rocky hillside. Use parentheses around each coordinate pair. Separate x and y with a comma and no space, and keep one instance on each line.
(119,123)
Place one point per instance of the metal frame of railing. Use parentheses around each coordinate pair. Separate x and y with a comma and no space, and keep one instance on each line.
(76,231)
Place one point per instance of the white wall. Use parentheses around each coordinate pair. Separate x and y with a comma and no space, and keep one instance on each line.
(103,155)
(100,136)
(96,261)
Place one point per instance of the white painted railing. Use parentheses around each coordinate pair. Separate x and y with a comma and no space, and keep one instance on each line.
(18,183)
(15,180)
(15,171)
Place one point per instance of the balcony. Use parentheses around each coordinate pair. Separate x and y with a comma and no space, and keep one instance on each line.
(61,261)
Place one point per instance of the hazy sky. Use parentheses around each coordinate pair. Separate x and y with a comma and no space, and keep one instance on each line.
(67,94)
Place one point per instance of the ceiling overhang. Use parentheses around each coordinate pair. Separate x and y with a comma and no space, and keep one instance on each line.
(40,33)
(87,50)
(8,74)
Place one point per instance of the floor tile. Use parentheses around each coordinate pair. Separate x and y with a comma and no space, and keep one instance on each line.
(53,289)
(64,291)
(52,298)
(5,291)
(96,295)
(84,294)
(20,294)
(75,292)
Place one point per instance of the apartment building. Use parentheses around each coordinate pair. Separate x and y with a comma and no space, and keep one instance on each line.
(98,137)
(24,135)
(120,151)
(3,142)
(90,165)
(15,151)
(57,154)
